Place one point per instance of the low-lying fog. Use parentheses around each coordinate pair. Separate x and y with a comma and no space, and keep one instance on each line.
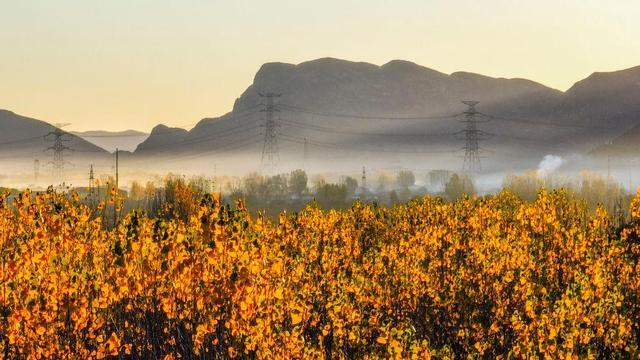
(554,170)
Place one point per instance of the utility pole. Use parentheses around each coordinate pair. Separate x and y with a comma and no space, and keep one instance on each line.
(472,135)
(364,180)
(91,186)
(270,152)
(36,170)
(58,148)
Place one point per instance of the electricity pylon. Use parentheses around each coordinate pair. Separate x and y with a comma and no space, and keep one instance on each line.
(270,152)
(472,138)
(58,148)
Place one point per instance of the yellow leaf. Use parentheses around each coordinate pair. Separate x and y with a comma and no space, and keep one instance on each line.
(296,318)
(278,294)
(135,246)
(113,344)
(41,330)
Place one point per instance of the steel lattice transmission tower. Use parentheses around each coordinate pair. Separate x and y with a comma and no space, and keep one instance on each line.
(472,138)
(270,152)
(58,148)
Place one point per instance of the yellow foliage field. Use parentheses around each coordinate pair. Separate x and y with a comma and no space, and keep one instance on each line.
(480,277)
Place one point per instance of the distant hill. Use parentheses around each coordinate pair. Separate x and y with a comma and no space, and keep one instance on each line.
(126,140)
(608,101)
(25,137)
(162,138)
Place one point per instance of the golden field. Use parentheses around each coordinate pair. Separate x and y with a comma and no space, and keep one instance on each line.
(487,277)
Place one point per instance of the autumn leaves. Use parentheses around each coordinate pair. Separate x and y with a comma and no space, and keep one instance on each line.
(492,277)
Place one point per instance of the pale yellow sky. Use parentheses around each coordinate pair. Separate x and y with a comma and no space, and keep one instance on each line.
(123,64)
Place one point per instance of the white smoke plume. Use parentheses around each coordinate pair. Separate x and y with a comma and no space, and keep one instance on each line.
(549,164)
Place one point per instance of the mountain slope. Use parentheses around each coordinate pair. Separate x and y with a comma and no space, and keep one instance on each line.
(23,136)
(313,91)
(626,145)
(161,138)
(610,100)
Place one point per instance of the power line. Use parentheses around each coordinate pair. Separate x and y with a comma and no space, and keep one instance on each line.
(177,128)
(238,144)
(228,132)
(299,140)
(540,123)
(349,132)
(359,116)
(427,117)
(17,141)
(205,138)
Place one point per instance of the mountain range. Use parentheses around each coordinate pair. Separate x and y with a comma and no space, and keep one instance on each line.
(366,112)
(332,111)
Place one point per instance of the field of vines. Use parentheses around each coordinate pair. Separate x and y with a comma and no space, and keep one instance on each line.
(481,277)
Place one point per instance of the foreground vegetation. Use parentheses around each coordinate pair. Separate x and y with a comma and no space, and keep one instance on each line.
(491,277)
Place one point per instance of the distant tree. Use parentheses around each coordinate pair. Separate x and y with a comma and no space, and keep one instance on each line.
(595,189)
(253,186)
(298,182)
(201,184)
(437,179)
(384,180)
(317,179)
(405,194)
(393,197)
(137,191)
(276,187)
(351,184)
(150,189)
(7,191)
(525,186)
(180,196)
(405,179)
(457,186)
(331,195)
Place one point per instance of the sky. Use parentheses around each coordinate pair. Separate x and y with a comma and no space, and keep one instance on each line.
(132,64)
